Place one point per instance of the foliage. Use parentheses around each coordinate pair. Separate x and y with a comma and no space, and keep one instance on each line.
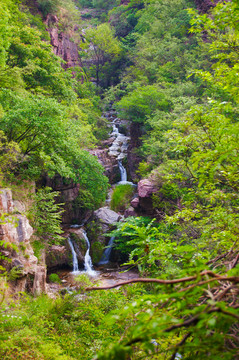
(103,49)
(15,273)
(54,278)
(64,328)
(124,18)
(45,125)
(46,216)
(142,102)
(47,6)
(193,148)
(182,91)
(121,197)
(9,155)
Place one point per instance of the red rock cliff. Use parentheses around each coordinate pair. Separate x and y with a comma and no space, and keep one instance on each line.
(62,45)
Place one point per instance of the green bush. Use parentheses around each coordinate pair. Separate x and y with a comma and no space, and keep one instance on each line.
(54,278)
(47,6)
(121,197)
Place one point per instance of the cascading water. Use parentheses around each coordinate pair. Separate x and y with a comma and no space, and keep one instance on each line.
(87,262)
(74,256)
(123,173)
(118,149)
(106,256)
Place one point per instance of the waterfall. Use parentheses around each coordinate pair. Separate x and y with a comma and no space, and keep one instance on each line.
(87,262)
(106,255)
(74,256)
(123,173)
(115,130)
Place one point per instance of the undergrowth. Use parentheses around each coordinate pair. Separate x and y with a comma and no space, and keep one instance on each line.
(121,197)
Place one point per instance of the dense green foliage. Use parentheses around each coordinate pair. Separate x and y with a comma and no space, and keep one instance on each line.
(46,216)
(63,329)
(192,148)
(121,197)
(178,73)
(104,50)
(45,111)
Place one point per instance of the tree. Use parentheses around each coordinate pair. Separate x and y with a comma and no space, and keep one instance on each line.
(50,141)
(103,48)
(142,102)
(46,214)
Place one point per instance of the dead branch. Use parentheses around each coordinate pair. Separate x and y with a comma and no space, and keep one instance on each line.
(216,277)
(234,262)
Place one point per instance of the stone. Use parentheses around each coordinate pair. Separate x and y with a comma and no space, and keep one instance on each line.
(129,212)
(6,204)
(146,188)
(17,232)
(62,44)
(107,216)
(19,206)
(39,284)
(109,163)
(135,202)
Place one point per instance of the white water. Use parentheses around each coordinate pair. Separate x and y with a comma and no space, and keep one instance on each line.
(74,256)
(119,146)
(87,261)
(106,255)
(123,173)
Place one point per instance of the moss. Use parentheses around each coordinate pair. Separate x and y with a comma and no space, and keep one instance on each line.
(94,230)
(97,251)
(37,248)
(79,241)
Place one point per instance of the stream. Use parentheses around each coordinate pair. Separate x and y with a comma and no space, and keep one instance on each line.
(107,275)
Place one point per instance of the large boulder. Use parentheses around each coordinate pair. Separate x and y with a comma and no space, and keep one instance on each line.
(143,203)
(146,188)
(107,216)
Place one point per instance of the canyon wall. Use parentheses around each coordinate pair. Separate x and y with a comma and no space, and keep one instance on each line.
(62,44)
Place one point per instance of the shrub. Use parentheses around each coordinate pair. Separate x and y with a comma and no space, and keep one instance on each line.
(47,6)
(54,278)
(121,197)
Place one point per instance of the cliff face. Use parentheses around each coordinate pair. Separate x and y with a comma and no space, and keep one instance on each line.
(18,256)
(61,44)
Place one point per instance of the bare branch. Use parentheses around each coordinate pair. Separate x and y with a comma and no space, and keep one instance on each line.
(216,277)
(180,344)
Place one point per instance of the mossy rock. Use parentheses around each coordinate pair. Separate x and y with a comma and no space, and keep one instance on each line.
(80,242)
(97,250)
(94,230)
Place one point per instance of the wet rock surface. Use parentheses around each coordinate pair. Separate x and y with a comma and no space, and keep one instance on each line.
(104,277)
(109,163)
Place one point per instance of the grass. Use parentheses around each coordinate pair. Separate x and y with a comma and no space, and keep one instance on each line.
(121,197)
